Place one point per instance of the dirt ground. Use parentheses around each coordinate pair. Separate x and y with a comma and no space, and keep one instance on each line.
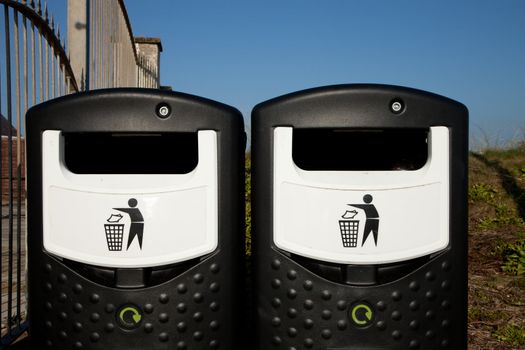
(497,250)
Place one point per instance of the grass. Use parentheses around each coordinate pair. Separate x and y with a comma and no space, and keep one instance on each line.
(514,255)
(481,192)
(511,334)
(497,249)
(476,313)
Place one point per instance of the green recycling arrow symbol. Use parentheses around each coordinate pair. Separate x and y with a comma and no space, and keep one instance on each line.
(368,314)
(136,314)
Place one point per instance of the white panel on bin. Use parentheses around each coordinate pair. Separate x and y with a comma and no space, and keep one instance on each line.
(93,218)
(361,217)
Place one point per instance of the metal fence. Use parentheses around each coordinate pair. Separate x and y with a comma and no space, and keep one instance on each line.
(35,67)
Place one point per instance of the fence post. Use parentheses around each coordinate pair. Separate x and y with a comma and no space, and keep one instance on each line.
(76,36)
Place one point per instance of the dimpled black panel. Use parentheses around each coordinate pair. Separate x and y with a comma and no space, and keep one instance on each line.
(303,311)
(184,313)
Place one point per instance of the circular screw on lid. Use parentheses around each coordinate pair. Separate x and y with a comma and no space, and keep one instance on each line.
(163,110)
(397,106)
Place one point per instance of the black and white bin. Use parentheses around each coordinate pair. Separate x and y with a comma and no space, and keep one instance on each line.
(360,219)
(135,212)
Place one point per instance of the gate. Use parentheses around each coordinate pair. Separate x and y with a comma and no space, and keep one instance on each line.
(35,66)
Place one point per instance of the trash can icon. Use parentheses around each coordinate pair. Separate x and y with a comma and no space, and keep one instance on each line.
(349,230)
(114,236)
(114,232)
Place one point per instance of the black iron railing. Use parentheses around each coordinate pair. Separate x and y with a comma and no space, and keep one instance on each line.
(35,66)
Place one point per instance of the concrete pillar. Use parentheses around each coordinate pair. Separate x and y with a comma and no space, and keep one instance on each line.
(76,37)
(150,48)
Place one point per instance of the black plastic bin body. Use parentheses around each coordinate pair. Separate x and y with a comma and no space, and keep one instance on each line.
(135,175)
(360,220)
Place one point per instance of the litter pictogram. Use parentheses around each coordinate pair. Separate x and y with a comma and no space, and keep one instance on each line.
(136,228)
(349,229)
(114,232)
(372,218)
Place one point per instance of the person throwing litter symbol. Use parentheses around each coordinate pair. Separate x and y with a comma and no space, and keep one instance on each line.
(372,218)
(137,222)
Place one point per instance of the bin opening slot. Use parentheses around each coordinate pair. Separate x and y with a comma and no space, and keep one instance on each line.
(361,275)
(360,149)
(130,278)
(130,153)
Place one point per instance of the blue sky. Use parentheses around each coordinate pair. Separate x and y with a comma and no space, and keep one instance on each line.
(243,52)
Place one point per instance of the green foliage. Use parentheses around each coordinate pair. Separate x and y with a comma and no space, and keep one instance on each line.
(511,334)
(510,153)
(476,313)
(521,172)
(481,192)
(504,216)
(514,256)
